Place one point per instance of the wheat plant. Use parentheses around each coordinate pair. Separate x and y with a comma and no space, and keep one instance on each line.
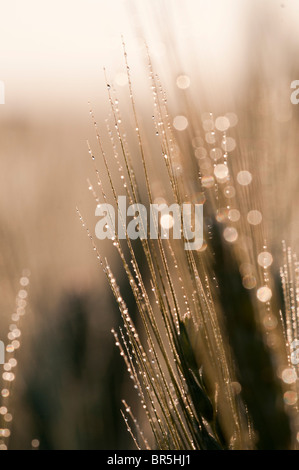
(212,353)
(10,365)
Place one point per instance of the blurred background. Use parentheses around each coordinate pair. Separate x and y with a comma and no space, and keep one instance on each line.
(238,56)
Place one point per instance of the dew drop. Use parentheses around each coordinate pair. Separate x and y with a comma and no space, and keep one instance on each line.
(234,215)
(244,177)
(270,322)
(222,215)
(208,125)
(216,154)
(200,152)
(207,181)
(265,259)
(289,375)
(233,119)
(183,82)
(254,217)
(180,123)
(290,398)
(230,234)
(35,443)
(229,192)
(222,123)
(264,294)
(8,418)
(210,137)
(228,144)
(221,171)
(249,281)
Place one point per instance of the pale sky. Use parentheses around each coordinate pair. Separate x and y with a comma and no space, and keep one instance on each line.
(62,45)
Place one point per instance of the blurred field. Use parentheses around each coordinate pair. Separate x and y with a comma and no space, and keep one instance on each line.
(70,379)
